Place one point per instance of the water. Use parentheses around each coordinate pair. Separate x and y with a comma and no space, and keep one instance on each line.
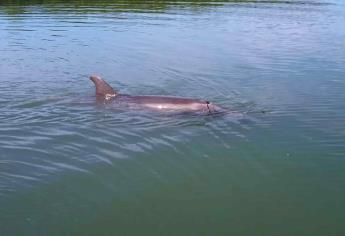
(71,167)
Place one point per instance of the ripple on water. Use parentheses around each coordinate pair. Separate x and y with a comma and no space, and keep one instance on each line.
(47,137)
(245,55)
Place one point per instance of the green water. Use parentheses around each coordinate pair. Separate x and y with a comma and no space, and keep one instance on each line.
(276,166)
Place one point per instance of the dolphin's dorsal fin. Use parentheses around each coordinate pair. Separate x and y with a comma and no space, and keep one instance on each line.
(102,87)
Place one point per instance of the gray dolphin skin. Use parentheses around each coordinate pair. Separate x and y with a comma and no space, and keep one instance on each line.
(105,93)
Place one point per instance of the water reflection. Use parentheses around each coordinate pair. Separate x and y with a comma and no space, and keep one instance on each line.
(86,7)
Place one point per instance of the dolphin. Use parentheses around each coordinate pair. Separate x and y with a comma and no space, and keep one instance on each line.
(105,93)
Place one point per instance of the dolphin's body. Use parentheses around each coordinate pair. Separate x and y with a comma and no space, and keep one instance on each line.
(104,92)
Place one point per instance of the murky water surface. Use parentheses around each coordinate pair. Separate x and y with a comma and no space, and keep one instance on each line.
(69,166)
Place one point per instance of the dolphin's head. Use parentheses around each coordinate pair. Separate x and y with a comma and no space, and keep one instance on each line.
(212,108)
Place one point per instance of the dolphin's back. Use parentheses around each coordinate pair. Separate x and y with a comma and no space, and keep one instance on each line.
(163,99)
(164,103)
